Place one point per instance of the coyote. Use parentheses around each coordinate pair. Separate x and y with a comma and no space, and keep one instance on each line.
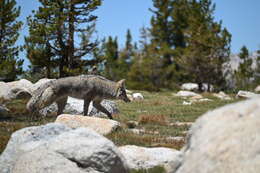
(87,87)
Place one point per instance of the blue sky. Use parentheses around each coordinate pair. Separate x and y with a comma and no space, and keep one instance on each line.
(240,17)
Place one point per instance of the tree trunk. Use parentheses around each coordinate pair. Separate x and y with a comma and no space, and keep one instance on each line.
(71,36)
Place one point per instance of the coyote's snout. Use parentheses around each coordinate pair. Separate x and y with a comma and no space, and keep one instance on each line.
(88,87)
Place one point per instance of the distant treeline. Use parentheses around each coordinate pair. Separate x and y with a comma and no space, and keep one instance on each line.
(182,44)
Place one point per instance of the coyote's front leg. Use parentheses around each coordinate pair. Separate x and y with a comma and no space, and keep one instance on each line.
(98,106)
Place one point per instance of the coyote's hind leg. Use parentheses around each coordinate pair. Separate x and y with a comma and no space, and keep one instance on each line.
(86,105)
(61,104)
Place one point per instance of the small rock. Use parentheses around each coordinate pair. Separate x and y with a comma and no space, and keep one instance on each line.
(138,96)
(137,131)
(246,94)
(175,138)
(187,94)
(221,95)
(100,125)
(145,158)
(186,103)
(257,89)
(197,97)
(202,100)
(190,86)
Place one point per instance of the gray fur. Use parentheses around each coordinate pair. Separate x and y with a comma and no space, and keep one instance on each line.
(87,87)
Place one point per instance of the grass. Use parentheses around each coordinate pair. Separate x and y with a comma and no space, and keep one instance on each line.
(155,117)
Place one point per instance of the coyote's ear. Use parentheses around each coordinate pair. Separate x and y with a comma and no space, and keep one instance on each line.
(121,83)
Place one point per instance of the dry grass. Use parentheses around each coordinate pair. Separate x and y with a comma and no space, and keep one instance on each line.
(124,137)
(153,119)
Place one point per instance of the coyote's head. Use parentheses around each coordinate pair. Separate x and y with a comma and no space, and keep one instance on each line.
(121,92)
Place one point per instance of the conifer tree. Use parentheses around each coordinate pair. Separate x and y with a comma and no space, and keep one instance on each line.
(111,55)
(244,72)
(147,67)
(125,57)
(66,27)
(208,46)
(162,35)
(10,65)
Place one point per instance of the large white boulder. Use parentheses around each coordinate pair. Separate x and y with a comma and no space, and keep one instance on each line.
(22,83)
(75,106)
(57,148)
(224,140)
(14,90)
(145,158)
(99,125)
(39,83)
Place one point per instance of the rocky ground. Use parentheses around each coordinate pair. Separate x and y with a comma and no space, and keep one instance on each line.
(178,132)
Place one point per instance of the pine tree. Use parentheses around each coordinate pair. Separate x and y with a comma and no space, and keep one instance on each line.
(125,58)
(38,49)
(161,23)
(207,46)
(66,27)
(244,72)
(162,35)
(10,65)
(147,67)
(185,43)
(111,55)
